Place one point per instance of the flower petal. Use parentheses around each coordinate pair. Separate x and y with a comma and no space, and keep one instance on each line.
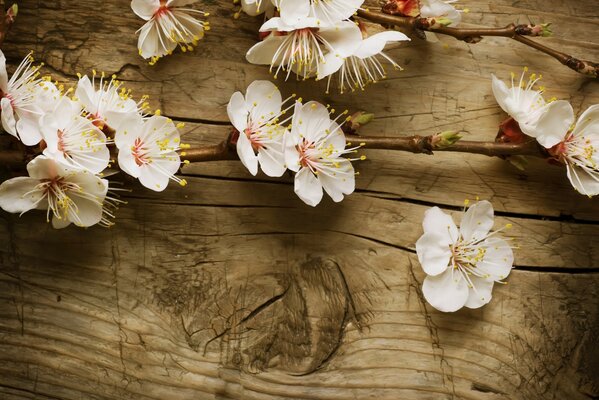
(156,175)
(264,100)
(436,221)
(477,221)
(18,195)
(480,293)
(447,292)
(238,112)
(246,154)
(294,10)
(588,122)
(145,9)
(29,130)
(343,182)
(3,73)
(8,118)
(343,38)
(584,181)
(552,125)
(42,167)
(498,260)
(307,187)
(374,44)
(433,252)
(262,53)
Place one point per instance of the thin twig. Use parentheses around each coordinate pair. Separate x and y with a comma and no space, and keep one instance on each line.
(474,35)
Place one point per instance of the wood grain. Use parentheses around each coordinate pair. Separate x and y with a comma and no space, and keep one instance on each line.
(231,288)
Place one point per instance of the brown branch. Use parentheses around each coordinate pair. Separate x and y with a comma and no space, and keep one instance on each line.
(412,144)
(475,35)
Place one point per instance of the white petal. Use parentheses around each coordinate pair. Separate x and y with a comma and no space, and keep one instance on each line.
(342,183)
(501,92)
(3,74)
(332,63)
(292,156)
(438,8)
(128,128)
(246,154)
(312,121)
(374,44)
(8,119)
(42,167)
(86,94)
(272,157)
(477,221)
(480,294)
(433,253)
(447,292)
(238,112)
(307,187)
(29,130)
(552,125)
(18,195)
(588,122)
(60,223)
(156,175)
(264,100)
(127,163)
(145,9)
(585,182)
(180,3)
(498,259)
(262,53)
(343,38)
(436,221)
(294,10)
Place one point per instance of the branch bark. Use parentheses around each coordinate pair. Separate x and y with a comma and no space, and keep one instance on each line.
(412,144)
(518,33)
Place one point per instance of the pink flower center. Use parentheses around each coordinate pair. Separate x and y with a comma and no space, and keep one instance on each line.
(303,148)
(139,152)
(61,145)
(162,10)
(254,140)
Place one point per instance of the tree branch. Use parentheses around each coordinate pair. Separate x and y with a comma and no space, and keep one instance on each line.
(412,144)
(518,33)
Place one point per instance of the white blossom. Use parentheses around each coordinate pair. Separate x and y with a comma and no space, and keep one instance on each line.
(364,65)
(257,118)
(169,24)
(20,111)
(326,12)
(68,195)
(148,150)
(301,47)
(577,147)
(526,105)
(109,101)
(315,148)
(74,140)
(462,264)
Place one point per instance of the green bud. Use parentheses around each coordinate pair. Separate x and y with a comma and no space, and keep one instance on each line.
(445,139)
(13,11)
(362,118)
(546,30)
(443,21)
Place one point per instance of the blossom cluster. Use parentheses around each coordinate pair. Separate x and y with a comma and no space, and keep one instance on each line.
(74,131)
(308,142)
(552,123)
(318,39)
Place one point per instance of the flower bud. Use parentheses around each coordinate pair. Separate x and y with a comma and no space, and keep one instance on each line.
(407,8)
(445,139)
(355,121)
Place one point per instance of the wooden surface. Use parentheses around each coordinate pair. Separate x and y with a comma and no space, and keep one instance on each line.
(231,288)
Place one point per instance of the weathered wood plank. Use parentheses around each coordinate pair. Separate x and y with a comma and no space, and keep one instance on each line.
(231,288)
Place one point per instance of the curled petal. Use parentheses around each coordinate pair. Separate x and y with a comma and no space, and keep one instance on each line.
(433,253)
(308,187)
(447,292)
